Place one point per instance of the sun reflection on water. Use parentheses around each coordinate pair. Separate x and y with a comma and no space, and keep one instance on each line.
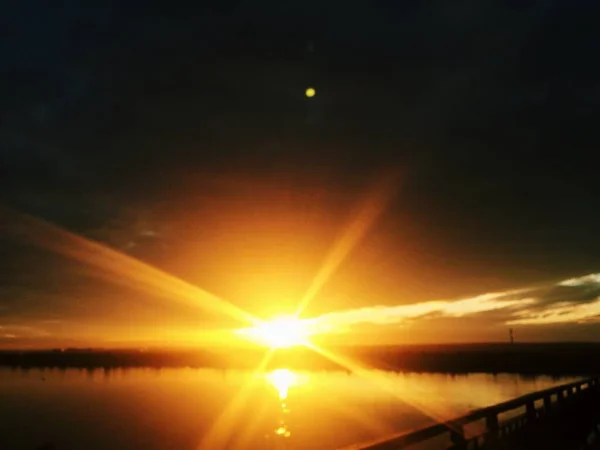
(282,380)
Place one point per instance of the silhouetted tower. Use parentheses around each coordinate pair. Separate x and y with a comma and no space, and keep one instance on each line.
(511,335)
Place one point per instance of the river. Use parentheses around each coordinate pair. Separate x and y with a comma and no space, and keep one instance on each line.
(200,409)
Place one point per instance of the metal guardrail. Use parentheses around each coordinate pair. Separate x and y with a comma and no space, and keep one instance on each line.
(494,428)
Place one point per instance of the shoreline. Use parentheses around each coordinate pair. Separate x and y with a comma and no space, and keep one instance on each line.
(527,359)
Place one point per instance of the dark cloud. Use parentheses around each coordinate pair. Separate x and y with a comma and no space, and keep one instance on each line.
(569,294)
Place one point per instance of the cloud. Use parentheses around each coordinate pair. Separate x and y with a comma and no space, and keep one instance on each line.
(591,279)
(383,315)
(567,313)
(11,331)
(575,300)
(583,293)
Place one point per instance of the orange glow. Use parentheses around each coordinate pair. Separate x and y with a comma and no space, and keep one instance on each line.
(222,428)
(272,271)
(369,211)
(120,268)
(281,332)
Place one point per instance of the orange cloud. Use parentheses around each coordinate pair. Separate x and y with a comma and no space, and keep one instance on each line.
(383,315)
(575,300)
(563,313)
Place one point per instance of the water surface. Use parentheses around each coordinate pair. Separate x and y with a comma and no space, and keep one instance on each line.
(197,409)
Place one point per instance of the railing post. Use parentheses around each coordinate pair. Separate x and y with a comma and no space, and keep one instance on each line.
(547,403)
(530,410)
(597,431)
(457,437)
(491,423)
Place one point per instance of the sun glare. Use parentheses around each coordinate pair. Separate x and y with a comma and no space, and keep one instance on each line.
(282,332)
(282,380)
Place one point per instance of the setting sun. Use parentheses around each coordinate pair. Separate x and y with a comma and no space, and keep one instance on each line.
(281,332)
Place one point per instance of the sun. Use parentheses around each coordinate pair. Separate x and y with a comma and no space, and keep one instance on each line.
(281,332)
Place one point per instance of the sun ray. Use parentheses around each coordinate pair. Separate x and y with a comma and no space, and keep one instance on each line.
(369,211)
(222,428)
(251,423)
(411,399)
(117,267)
(369,423)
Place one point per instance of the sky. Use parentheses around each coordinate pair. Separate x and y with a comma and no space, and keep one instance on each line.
(162,172)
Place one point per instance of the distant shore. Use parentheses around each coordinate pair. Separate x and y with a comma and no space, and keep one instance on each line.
(549,359)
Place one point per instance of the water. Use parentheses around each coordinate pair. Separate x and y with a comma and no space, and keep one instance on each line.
(198,409)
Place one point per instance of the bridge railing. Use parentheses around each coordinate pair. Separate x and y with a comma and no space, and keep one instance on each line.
(536,404)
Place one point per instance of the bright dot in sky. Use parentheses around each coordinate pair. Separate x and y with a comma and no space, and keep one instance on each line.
(282,332)
(310,92)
